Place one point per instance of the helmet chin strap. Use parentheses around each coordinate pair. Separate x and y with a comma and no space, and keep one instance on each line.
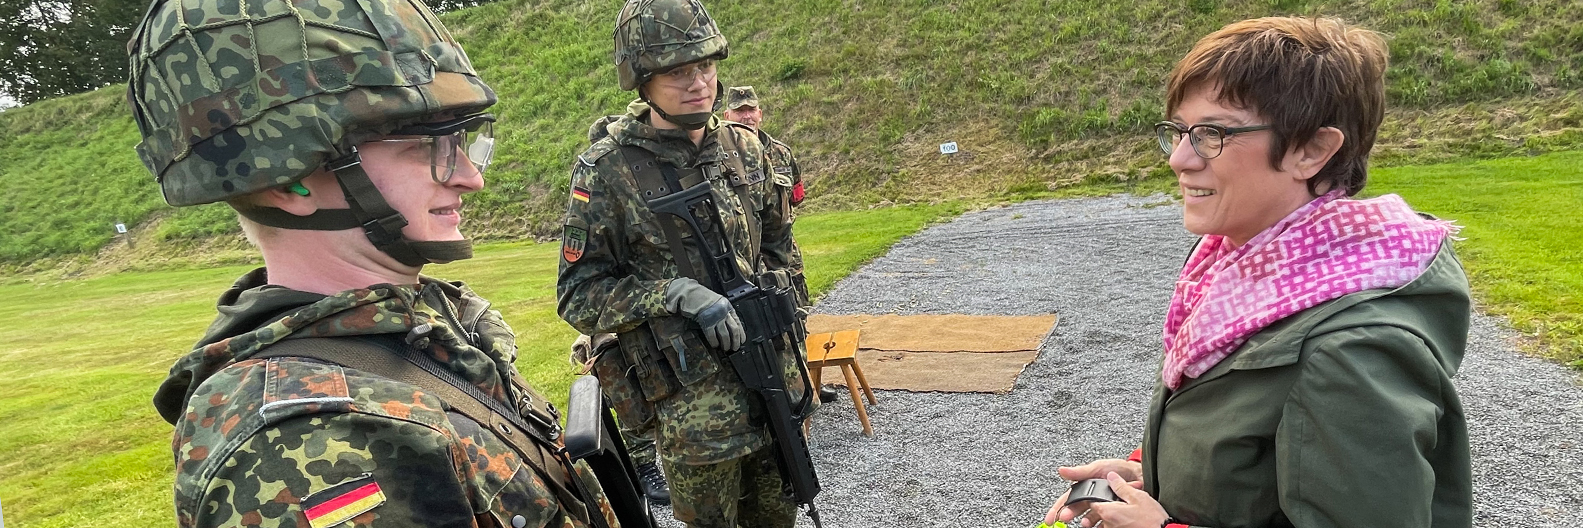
(369,211)
(693,121)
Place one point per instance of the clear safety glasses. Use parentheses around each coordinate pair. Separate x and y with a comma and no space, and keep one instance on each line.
(472,137)
(683,76)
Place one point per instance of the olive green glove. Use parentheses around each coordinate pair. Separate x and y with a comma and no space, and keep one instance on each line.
(713,313)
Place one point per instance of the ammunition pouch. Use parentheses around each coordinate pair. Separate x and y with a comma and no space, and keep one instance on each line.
(667,353)
(619,382)
(790,279)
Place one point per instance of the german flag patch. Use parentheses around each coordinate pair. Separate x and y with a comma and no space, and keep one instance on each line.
(580,194)
(340,503)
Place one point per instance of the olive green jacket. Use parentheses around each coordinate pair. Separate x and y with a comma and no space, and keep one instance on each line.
(1341,415)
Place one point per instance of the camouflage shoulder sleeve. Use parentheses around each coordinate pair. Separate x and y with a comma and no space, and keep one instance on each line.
(786,158)
(740,128)
(595,292)
(300,443)
(598,149)
(777,249)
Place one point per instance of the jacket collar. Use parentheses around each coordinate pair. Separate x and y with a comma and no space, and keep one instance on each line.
(669,145)
(254,314)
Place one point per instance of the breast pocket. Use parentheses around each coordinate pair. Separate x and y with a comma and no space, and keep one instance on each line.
(782,192)
(525,501)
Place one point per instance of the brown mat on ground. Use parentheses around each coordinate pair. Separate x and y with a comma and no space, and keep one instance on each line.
(939,371)
(940,333)
(944,353)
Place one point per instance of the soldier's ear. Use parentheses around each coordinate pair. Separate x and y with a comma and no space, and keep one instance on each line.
(302,198)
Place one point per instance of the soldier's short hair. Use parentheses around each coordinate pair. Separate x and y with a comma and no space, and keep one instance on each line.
(1301,74)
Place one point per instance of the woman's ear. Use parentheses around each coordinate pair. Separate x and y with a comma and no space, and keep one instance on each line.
(1309,158)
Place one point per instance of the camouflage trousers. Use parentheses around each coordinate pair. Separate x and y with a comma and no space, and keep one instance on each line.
(742,492)
(640,445)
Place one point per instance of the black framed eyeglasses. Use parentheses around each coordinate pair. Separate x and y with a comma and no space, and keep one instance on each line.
(1207,138)
(471,136)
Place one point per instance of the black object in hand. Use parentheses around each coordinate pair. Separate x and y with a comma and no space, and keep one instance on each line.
(1097,490)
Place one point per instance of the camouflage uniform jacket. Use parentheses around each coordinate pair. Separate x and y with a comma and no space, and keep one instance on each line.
(616,264)
(256,438)
(784,165)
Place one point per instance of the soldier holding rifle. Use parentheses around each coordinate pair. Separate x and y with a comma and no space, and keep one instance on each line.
(677,240)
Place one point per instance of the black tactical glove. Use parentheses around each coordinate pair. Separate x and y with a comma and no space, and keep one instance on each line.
(713,313)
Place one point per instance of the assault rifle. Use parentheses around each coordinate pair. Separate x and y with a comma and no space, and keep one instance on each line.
(766,315)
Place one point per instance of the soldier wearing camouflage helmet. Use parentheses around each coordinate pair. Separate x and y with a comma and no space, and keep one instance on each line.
(345,135)
(620,274)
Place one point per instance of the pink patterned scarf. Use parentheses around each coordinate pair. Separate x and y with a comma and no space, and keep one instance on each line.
(1328,248)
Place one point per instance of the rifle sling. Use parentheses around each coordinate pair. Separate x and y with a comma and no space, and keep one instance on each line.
(403,364)
(741,182)
(646,168)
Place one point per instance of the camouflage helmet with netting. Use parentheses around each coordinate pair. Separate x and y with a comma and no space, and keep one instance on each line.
(232,98)
(653,36)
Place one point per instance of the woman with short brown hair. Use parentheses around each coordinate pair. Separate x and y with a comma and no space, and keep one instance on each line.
(1311,338)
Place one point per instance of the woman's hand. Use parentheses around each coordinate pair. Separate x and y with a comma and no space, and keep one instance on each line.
(1136,509)
(1128,470)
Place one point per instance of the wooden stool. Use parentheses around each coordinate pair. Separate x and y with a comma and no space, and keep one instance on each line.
(839,349)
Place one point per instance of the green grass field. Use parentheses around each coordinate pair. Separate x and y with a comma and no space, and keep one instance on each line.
(1524,238)
(80,442)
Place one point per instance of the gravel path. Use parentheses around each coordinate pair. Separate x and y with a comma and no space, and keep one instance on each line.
(1106,267)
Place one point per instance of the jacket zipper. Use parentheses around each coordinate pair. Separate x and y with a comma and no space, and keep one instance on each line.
(449,312)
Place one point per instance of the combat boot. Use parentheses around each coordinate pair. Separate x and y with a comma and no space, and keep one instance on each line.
(653,483)
(826,393)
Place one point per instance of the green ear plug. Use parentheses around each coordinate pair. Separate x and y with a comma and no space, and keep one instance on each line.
(298,188)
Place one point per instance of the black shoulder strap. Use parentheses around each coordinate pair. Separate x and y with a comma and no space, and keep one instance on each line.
(653,183)
(742,184)
(1194,249)
(537,443)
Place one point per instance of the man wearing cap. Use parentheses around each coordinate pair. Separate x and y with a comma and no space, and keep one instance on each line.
(742,106)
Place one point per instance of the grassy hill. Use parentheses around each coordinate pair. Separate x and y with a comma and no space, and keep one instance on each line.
(1039,95)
